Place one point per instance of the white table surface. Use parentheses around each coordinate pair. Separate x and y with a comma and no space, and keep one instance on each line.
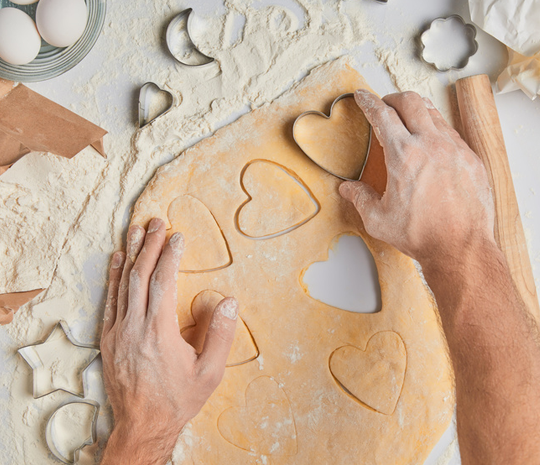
(520,117)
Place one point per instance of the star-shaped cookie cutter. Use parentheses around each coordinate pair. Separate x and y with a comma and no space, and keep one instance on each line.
(50,437)
(32,357)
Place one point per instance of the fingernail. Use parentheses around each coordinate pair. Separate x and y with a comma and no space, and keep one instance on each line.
(229,309)
(135,238)
(154,225)
(117,260)
(177,243)
(362,93)
(428,103)
(345,189)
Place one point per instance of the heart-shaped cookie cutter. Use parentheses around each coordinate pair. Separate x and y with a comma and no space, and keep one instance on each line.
(50,436)
(319,113)
(182,23)
(145,95)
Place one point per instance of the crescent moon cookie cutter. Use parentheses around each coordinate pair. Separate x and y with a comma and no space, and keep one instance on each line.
(468,39)
(327,117)
(178,35)
(32,356)
(50,432)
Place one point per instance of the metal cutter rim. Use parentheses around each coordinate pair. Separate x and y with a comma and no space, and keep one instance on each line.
(324,115)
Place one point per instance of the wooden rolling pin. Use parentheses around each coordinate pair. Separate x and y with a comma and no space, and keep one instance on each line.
(482,131)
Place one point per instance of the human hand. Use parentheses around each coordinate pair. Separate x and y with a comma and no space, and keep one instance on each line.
(156,382)
(438,202)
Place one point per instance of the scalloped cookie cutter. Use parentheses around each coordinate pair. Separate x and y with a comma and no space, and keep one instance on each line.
(179,34)
(149,91)
(50,436)
(324,115)
(31,356)
(470,36)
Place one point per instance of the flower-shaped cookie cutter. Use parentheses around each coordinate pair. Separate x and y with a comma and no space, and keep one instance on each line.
(178,33)
(50,436)
(469,32)
(319,113)
(31,356)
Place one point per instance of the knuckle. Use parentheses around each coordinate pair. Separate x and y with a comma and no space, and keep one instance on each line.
(134,276)
(409,94)
(213,376)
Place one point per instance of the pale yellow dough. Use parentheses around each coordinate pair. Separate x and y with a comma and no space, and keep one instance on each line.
(297,413)
(277,201)
(201,232)
(244,349)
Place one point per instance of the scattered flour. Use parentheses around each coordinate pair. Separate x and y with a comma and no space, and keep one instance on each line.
(61,219)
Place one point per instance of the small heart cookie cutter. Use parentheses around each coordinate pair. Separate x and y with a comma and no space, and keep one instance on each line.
(50,436)
(145,95)
(182,24)
(470,32)
(33,359)
(320,113)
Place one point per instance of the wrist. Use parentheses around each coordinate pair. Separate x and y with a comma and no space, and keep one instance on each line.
(137,443)
(460,259)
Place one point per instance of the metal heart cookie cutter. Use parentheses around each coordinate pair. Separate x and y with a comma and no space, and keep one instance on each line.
(51,435)
(180,43)
(150,107)
(429,39)
(42,365)
(327,117)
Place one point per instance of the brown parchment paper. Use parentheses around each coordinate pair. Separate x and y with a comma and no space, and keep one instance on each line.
(32,122)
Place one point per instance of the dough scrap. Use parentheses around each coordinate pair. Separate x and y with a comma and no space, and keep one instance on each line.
(296,334)
(265,425)
(338,144)
(278,200)
(374,376)
(205,246)
(244,348)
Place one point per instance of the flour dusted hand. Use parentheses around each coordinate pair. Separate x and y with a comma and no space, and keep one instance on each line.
(438,209)
(156,382)
(437,200)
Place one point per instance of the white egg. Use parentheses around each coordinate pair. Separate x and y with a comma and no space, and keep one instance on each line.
(61,22)
(19,37)
(23,2)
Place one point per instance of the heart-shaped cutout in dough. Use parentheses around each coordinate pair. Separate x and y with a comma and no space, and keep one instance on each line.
(244,348)
(338,143)
(265,425)
(373,377)
(205,246)
(348,279)
(278,201)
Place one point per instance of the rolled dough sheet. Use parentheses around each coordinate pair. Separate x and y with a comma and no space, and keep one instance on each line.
(288,406)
